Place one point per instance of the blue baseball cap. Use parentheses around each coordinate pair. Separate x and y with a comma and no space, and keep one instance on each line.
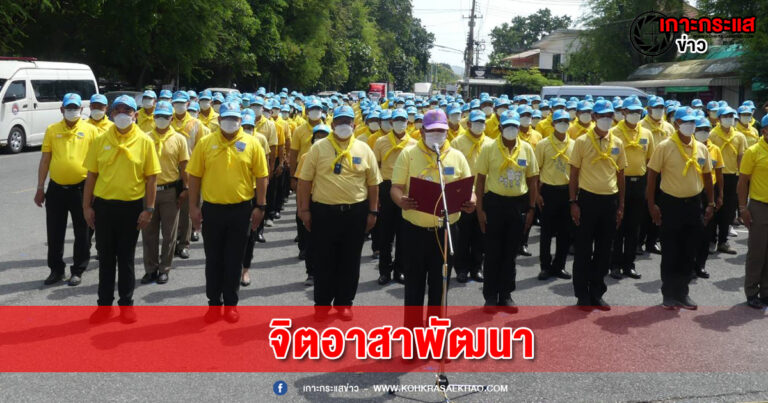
(230,109)
(180,96)
(345,111)
(712,106)
(257,101)
(744,109)
(73,99)
(704,122)
(218,98)
(764,121)
(149,94)
(602,106)
(166,94)
(632,104)
(313,103)
(205,95)
(418,116)
(477,116)
(544,105)
(558,102)
(399,114)
(321,128)
(163,108)
(501,102)
(193,106)
(684,114)
(536,114)
(285,108)
(523,109)
(571,105)
(126,100)
(588,97)
(655,102)
(560,115)
(722,103)
(585,106)
(374,114)
(474,104)
(385,114)
(248,118)
(725,111)
(191,94)
(99,99)
(453,108)
(510,118)
(697,102)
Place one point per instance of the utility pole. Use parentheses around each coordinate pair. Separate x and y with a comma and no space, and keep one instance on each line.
(469,51)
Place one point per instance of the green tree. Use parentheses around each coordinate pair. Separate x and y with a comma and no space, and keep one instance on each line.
(522,32)
(529,80)
(442,74)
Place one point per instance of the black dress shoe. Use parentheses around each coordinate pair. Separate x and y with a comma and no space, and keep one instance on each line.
(584,304)
(213,314)
(194,237)
(490,307)
(655,249)
(183,253)
(162,278)
(764,300)
(127,314)
(703,273)
(375,255)
(524,251)
(296,239)
(101,314)
(309,281)
(462,277)
(507,305)
(399,277)
(632,273)
(563,274)
(571,250)
(245,281)
(755,302)
(260,238)
(687,303)
(601,304)
(478,277)
(670,303)
(74,280)
(543,275)
(639,250)
(345,313)
(53,278)
(277,215)
(384,279)
(230,314)
(302,255)
(149,278)
(616,273)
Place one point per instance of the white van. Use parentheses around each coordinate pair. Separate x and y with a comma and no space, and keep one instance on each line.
(605,91)
(31,94)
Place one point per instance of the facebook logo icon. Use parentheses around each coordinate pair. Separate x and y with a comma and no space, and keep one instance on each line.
(280,387)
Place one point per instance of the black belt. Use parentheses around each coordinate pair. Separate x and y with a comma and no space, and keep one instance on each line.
(554,187)
(339,208)
(76,186)
(692,199)
(166,186)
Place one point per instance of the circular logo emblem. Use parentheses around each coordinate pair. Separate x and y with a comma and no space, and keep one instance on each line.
(645,35)
(280,388)
(15,109)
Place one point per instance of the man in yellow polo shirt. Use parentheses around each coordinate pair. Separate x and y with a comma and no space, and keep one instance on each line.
(681,161)
(207,115)
(596,188)
(145,117)
(386,150)
(583,121)
(469,244)
(753,184)
(506,188)
(122,169)
(65,145)
(171,148)
(226,166)
(744,125)
(385,123)
(423,255)
(707,244)
(454,118)
(343,178)
(638,146)
(553,155)
(732,144)
(98,117)
(267,127)
(371,126)
(492,123)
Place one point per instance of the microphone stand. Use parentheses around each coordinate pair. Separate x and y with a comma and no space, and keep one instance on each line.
(442,380)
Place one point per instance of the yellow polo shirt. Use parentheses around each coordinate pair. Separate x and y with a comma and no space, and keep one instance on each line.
(228,168)
(669,162)
(171,148)
(301,138)
(492,126)
(267,128)
(414,133)
(545,126)
(123,161)
(755,163)
(553,157)
(192,129)
(530,136)
(470,146)
(419,162)
(262,142)
(375,136)
(146,121)
(504,177)
(387,149)
(660,130)
(732,144)
(597,174)
(715,158)
(576,130)
(68,148)
(749,132)
(350,186)
(453,134)
(211,121)
(638,145)
(102,125)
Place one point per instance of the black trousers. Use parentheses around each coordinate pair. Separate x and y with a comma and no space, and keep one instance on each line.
(681,229)
(388,226)
(503,236)
(274,197)
(251,243)
(116,237)
(469,245)
(727,213)
(61,201)
(707,235)
(337,236)
(304,245)
(594,237)
(555,222)
(226,228)
(635,207)
(424,271)
(649,232)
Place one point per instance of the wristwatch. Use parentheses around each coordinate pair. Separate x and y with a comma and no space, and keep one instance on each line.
(150,209)
(261,207)
(374,213)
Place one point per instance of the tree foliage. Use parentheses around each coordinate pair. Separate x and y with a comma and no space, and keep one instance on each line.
(522,32)
(529,80)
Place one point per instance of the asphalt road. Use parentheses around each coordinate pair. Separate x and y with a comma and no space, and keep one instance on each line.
(277,275)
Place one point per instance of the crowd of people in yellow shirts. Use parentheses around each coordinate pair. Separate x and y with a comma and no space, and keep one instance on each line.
(607,179)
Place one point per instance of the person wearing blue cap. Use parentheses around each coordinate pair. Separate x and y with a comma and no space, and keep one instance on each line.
(583,120)
(553,155)
(65,146)
(753,206)
(536,118)
(455,129)
(193,109)
(165,95)
(98,117)
(684,165)
(276,194)
(638,146)
(708,242)
(145,116)
(492,125)
(732,144)
(712,108)
(744,125)
(172,185)
(208,115)
(301,141)
(257,235)
(469,243)
(337,199)
(596,190)
(385,125)
(118,201)
(228,170)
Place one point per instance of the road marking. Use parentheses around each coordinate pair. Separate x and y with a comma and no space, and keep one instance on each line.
(23,190)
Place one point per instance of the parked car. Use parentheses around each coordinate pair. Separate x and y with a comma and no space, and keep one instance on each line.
(605,91)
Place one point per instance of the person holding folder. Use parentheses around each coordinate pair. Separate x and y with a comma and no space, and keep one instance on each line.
(425,232)
(506,189)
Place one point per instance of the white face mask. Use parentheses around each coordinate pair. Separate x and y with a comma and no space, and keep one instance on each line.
(432,138)
(123,120)
(194,114)
(284,115)
(229,126)
(248,130)
(535,107)
(561,127)
(147,103)
(411,118)
(500,111)
(745,119)
(454,118)
(712,114)
(488,110)
(179,108)
(544,113)
(656,114)
(314,114)
(97,114)
(257,110)
(477,127)
(727,122)
(417,125)
(686,129)
(633,118)
(374,126)
(216,107)
(275,113)
(585,118)
(510,133)
(617,116)
(205,105)
(162,123)
(525,121)
(535,121)
(572,114)
(399,127)
(72,115)
(343,131)
(604,124)
(386,125)
(702,135)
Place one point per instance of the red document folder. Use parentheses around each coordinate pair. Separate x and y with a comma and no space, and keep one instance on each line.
(427,193)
